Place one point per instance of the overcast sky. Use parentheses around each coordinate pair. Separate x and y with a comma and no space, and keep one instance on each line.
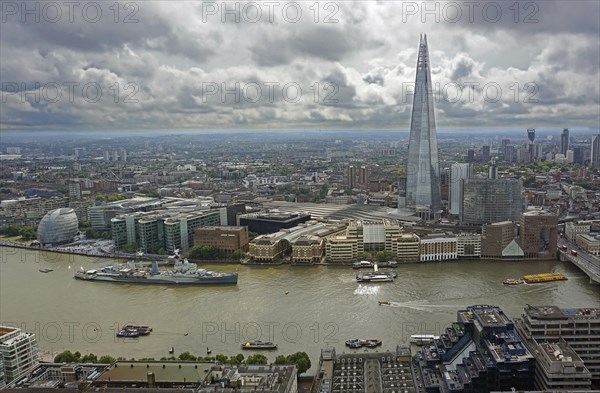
(325,65)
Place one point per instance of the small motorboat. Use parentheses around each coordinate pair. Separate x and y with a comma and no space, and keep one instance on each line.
(384,303)
(172,350)
(128,333)
(46,270)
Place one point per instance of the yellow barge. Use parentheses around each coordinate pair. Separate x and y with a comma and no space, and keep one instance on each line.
(543,277)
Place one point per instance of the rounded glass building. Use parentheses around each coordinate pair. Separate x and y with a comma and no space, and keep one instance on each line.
(58,226)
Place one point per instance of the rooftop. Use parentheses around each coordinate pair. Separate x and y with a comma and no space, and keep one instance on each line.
(137,371)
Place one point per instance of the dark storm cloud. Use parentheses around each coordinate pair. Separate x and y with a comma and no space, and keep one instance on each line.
(368,55)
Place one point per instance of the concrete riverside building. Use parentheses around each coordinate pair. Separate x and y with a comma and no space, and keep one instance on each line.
(558,367)
(263,223)
(406,248)
(491,200)
(363,236)
(539,234)
(438,247)
(169,229)
(18,353)
(579,327)
(275,246)
(496,237)
(223,238)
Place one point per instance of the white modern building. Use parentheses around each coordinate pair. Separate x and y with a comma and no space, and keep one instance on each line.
(18,353)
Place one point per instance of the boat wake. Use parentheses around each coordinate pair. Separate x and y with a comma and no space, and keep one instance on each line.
(419,306)
(366,290)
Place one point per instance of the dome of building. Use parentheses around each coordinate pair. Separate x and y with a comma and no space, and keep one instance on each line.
(58,226)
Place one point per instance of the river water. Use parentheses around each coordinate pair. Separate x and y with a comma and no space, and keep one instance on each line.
(324,306)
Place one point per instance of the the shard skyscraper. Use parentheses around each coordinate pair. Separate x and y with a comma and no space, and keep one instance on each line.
(423,194)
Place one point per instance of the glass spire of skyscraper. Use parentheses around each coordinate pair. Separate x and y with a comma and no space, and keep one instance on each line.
(423,171)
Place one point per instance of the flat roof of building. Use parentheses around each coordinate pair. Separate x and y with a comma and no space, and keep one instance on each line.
(137,371)
(553,312)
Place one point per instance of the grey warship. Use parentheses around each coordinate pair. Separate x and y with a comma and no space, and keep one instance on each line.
(182,273)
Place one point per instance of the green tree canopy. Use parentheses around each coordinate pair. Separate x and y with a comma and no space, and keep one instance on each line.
(381,256)
(257,359)
(301,360)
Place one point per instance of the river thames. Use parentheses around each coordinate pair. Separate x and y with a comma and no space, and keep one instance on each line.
(324,306)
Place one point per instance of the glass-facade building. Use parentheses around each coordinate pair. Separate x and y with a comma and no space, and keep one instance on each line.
(491,200)
(169,230)
(58,226)
(423,190)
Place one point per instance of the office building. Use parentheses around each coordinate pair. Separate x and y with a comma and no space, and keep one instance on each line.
(377,372)
(224,238)
(580,327)
(470,155)
(423,192)
(457,173)
(564,141)
(263,223)
(558,367)
(504,147)
(595,156)
(539,234)
(578,155)
(496,237)
(510,155)
(363,236)
(18,354)
(491,200)
(167,229)
(485,154)
(308,249)
(101,215)
(406,248)
(273,247)
(58,227)
(480,352)
(468,245)
(438,247)
(250,378)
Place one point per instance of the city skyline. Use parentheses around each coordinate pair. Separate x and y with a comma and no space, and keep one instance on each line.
(355,69)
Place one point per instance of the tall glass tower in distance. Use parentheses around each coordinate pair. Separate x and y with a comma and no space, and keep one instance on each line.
(423,193)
